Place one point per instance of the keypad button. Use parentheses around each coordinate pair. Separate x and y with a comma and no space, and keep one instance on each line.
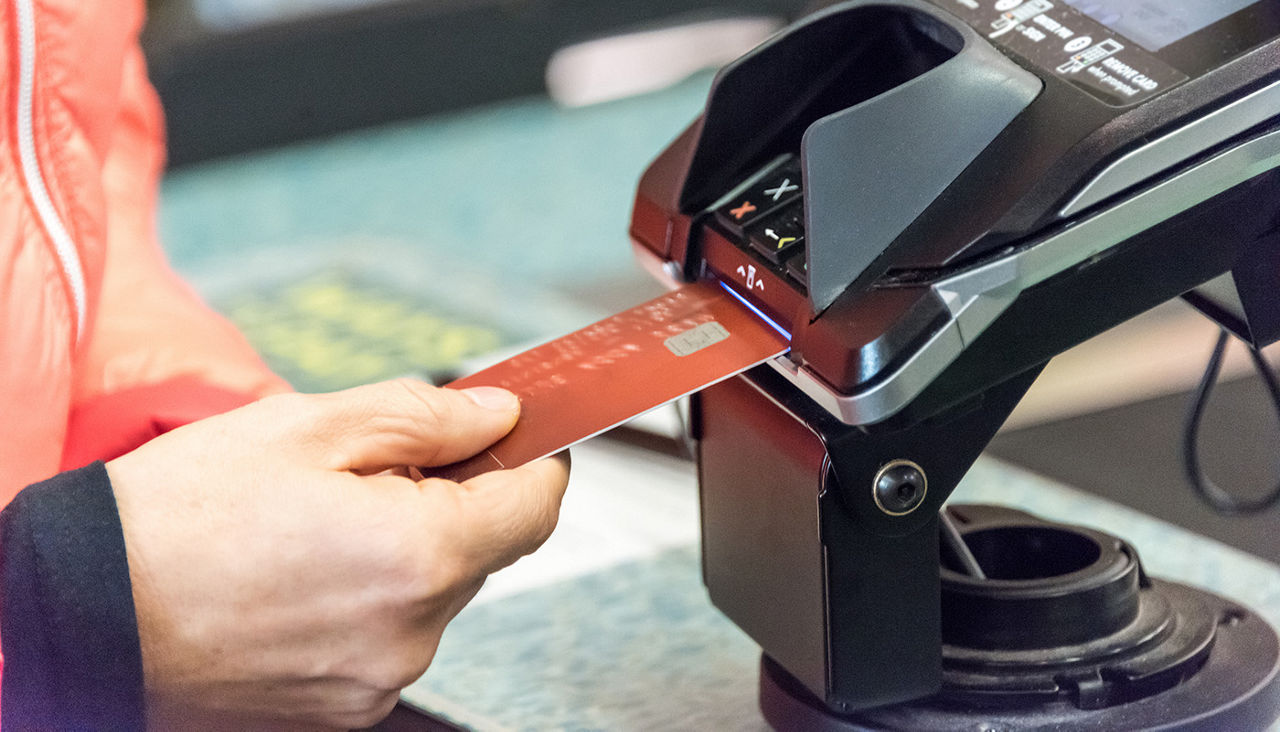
(778,235)
(774,190)
(767,219)
(780,188)
(798,268)
(740,214)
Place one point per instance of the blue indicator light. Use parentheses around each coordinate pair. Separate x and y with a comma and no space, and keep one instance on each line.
(772,323)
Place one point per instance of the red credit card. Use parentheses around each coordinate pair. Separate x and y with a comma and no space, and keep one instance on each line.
(594,379)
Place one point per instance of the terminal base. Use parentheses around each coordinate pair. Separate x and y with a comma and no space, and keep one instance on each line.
(1064,631)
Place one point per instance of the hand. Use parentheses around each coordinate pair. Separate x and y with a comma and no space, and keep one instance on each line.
(284,572)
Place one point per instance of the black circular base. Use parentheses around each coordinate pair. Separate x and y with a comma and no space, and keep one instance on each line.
(1237,688)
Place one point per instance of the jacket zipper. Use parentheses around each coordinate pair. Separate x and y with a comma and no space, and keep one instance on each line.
(64,246)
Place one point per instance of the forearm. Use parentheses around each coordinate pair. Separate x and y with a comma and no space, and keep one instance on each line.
(67,621)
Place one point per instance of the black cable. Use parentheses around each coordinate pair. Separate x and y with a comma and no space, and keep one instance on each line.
(1219,499)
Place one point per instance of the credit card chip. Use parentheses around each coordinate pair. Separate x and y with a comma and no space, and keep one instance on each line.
(697,338)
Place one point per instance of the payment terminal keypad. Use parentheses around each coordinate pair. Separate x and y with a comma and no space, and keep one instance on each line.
(779,186)
(767,219)
(779,236)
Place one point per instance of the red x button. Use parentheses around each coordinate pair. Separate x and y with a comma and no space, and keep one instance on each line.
(740,212)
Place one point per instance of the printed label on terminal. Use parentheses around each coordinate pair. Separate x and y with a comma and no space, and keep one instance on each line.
(1070,45)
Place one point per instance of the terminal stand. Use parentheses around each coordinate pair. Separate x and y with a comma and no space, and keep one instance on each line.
(826,543)
(1066,631)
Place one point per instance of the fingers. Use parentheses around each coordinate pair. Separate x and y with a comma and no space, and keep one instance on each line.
(507,514)
(405,422)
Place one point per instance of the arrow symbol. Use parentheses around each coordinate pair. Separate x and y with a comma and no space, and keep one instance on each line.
(771,234)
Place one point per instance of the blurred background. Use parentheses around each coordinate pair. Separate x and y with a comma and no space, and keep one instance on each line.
(378,187)
(372,188)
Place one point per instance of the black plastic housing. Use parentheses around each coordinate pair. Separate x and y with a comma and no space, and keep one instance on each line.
(844,596)
(796,551)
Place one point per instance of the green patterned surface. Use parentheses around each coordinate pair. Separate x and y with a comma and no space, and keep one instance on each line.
(331,330)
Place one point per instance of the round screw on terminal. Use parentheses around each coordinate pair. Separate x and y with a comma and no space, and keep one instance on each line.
(900,487)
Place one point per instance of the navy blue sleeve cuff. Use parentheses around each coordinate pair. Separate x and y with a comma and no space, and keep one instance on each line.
(68,629)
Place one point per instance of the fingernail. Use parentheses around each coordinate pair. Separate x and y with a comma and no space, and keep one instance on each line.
(491,397)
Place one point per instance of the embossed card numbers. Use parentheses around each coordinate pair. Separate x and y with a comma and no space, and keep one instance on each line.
(596,378)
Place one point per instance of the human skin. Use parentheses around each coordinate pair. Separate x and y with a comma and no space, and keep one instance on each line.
(287,574)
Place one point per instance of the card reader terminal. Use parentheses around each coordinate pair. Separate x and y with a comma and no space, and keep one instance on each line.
(932,198)
(929,161)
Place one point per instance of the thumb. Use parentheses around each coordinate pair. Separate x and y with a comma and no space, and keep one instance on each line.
(408,422)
